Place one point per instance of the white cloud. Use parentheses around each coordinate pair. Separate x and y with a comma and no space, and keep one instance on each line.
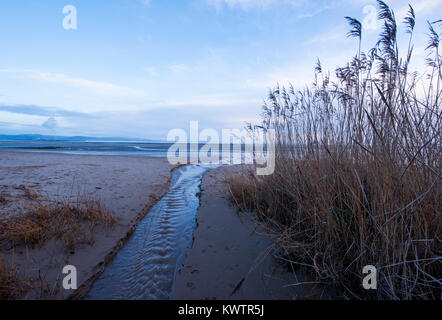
(61,78)
(51,123)
(424,5)
(100,88)
(419,6)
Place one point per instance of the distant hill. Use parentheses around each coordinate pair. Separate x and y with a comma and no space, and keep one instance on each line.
(39,137)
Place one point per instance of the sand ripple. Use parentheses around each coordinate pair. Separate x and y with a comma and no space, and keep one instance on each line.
(146,267)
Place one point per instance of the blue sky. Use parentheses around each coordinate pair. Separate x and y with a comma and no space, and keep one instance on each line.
(139,68)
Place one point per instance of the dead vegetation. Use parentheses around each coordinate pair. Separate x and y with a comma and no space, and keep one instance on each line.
(72,223)
(12,286)
(358,171)
(16,286)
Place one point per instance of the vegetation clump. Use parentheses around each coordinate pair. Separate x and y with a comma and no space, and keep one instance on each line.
(358,170)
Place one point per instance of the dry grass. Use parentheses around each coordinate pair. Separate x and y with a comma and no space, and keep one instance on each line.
(12,286)
(15,286)
(358,171)
(72,223)
(28,194)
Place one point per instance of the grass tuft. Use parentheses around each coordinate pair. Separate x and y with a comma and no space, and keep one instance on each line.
(71,223)
(11,285)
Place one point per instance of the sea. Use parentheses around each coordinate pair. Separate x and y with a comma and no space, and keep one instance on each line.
(124,148)
(147,149)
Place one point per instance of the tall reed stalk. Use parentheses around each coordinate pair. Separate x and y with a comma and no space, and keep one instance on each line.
(358,170)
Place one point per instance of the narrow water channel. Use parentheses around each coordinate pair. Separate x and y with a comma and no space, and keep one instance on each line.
(145,269)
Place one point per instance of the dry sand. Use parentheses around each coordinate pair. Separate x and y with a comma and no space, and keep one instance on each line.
(128,186)
(229,260)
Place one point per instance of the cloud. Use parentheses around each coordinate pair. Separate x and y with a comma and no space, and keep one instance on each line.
(101,88)
(51,123)
(35,110)
(419,6)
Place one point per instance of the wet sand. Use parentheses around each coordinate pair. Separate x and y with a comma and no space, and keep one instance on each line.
(229,260)
(128,186)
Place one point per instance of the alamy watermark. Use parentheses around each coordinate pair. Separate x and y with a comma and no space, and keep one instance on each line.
(70,19)
(370,281)
(70,280)
(231,146)
(370,21)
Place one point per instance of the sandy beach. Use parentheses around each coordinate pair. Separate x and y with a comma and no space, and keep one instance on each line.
(229,258)
(126,186)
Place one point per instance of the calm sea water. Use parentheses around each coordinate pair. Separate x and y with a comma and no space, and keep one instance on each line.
(150,149)
(142,149)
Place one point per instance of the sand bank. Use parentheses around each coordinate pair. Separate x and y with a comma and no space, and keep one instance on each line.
(127,186)
(229,260)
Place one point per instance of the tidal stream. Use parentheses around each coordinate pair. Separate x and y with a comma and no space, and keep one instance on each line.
(146,267)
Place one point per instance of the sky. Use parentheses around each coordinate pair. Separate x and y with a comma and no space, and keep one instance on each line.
(140,68)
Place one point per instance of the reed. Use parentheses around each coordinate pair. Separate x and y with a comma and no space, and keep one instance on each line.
(358,170)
